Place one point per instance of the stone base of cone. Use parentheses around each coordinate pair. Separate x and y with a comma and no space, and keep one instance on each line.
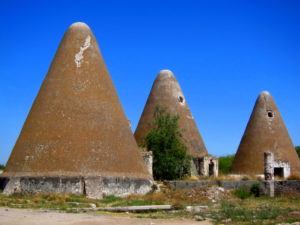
(92,187)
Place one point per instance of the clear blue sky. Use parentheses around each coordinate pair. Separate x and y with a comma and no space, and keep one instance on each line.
(223,53)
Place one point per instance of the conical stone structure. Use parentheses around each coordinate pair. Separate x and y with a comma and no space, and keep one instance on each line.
(76,131)
(265,132)
(167,93)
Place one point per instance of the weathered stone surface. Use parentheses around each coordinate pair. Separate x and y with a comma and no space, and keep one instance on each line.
(136,208)
(269,188)
(125,186)
(265,132)
(44,185)
(13,185)
(205,166)
(197,208)
(92,187)
(148,159)
(270,165)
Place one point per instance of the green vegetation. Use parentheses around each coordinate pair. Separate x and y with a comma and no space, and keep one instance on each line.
(244,192)
(254,190)
(1,167)
(238,213)
(110,199)
(170,159)
(225,163)
(298,150)
(226,209)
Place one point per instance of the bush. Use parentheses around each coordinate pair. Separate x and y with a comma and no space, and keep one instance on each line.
(254,190)
(242,192)
(225,163)
(2,167)
(170,159)
(297,148)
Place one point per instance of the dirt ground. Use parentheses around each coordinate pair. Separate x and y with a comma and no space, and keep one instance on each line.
(9,216)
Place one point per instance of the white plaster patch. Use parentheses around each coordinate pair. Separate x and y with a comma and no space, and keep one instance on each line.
(190,117)
(79,56)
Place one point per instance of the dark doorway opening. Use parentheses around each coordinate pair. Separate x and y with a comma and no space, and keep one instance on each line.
(278,171)
(211,168)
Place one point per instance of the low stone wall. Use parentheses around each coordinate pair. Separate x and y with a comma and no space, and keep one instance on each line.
(269,188)
(286,186)
(189,184)
(92,187)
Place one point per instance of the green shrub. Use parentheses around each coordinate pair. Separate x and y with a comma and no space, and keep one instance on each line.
(254,190)
(170,159)
(225,163)
(242,192)
(110,199)
(2,167)
(297,148)
(245,178)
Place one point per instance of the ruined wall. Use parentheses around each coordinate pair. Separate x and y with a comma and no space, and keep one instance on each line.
(93,187)
(148,159)
(201,166)
(271,165)
(269,188)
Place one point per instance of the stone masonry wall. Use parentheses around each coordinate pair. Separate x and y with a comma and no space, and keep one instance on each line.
(266,187)
(92,187)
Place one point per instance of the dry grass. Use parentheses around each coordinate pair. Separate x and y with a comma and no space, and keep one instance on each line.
(223,206)
(293,177)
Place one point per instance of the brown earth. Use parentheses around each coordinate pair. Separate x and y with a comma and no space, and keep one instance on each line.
(44,217)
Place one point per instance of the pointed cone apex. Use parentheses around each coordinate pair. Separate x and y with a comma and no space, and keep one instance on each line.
(76,126)
(265,132)
(167,93)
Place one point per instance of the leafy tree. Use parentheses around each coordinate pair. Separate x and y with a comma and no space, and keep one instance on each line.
(1,167)
(225,163)
(170,159)
(298,150)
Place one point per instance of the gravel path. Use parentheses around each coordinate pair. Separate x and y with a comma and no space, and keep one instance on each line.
(10,216)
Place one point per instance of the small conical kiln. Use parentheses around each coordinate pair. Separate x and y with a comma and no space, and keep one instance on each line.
(266,133)
(167,93)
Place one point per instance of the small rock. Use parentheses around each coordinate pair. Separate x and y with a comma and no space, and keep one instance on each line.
(92,205)
(296,223)
(189,208)
(221,189)
(199,218)
(294,215)
(228,220)
(74,203)
(197,209)
(6,209)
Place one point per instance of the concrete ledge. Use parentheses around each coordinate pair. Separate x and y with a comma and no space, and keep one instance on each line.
(136,208)
(92,187)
